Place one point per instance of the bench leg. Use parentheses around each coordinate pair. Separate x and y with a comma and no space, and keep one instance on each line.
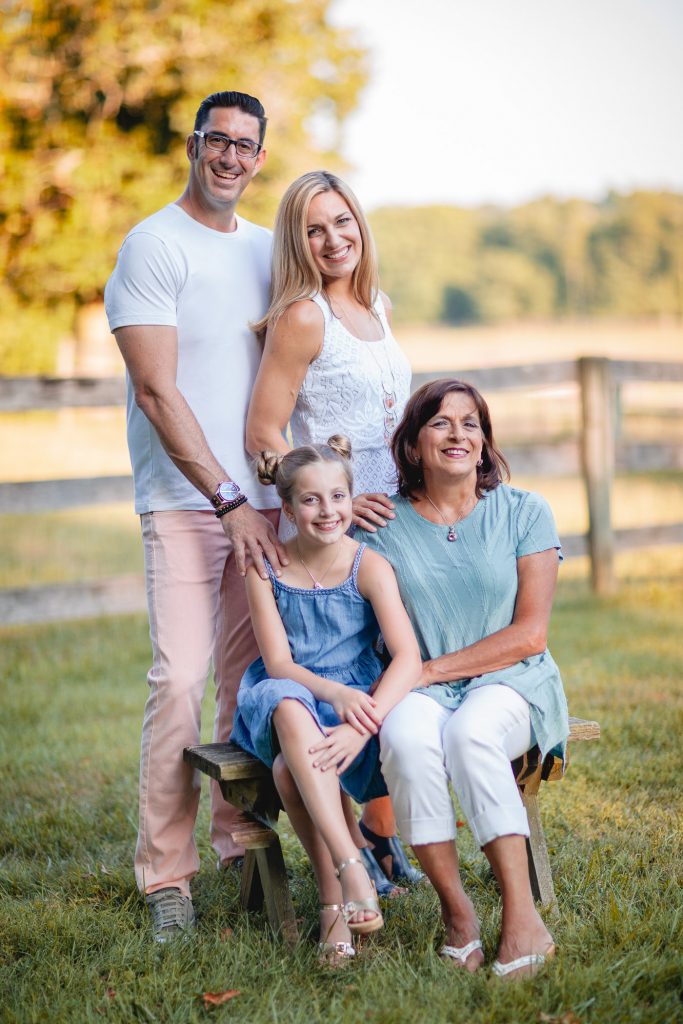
(540,874)
(275,888)
(251,890)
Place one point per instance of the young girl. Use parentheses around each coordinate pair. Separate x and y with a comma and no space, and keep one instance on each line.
(303,707)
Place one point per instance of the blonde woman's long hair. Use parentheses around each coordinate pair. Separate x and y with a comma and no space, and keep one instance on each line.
(295,275)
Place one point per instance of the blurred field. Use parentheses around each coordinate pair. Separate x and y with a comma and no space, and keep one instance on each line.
(104,540)
(99,541)
(92,442)
(430,347)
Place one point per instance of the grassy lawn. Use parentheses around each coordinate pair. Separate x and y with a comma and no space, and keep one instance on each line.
(73,939)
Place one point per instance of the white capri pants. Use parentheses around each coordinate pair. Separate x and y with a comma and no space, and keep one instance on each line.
(424,745)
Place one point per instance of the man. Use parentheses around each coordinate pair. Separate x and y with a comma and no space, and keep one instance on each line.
(188,281)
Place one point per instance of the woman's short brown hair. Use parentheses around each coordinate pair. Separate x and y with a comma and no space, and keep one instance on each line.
(420,408)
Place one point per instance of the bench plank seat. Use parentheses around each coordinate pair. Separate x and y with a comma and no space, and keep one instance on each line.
(247,784)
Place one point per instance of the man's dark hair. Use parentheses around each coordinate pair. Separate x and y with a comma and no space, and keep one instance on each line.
(247,104)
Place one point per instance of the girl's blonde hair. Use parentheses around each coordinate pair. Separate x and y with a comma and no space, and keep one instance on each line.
(282,470)
(295,275)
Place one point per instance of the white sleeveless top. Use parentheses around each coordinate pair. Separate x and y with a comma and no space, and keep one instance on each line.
(357,388)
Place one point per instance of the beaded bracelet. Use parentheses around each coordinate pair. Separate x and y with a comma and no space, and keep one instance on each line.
(230,506)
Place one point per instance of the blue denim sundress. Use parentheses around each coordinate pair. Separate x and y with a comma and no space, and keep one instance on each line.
(332,631)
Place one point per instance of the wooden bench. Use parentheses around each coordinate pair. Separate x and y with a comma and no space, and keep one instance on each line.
(530,772)
(247,784)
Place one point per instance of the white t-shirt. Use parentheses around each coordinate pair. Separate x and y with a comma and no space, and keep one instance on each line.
(173,271)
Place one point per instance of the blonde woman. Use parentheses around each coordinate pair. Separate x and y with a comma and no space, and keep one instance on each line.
(330,363)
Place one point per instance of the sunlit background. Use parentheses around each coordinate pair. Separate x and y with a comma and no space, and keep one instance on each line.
(498,102)
(522,162)
(522,166)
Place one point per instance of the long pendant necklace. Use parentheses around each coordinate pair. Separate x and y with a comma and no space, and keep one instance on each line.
(389,394)
(452,535)
(317,584)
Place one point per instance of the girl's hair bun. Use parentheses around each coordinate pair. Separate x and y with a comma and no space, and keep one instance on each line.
(267,465)
(340,444)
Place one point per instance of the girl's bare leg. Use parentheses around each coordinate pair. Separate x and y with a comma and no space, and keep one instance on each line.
(321,799)
(332,926)
(351,822)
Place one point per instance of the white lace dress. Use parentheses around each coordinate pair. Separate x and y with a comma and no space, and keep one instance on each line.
(357,388)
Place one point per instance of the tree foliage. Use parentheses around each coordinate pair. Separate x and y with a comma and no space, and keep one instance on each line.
(548,258)
(98,97)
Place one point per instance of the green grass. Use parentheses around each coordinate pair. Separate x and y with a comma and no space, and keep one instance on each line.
(69,545)
(74,945)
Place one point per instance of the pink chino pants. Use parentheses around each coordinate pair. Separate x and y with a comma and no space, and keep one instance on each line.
(198,615)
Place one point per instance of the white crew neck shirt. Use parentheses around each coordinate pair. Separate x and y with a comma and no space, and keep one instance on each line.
(173,271)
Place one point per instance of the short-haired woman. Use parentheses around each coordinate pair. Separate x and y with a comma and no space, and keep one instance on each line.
(476,561)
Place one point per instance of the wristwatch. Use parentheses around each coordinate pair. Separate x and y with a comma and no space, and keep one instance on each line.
(226,492)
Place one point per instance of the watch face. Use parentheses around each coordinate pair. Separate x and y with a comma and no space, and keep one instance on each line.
(227,491)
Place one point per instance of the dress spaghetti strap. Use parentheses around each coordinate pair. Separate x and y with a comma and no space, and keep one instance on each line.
(271,571)
(356,564)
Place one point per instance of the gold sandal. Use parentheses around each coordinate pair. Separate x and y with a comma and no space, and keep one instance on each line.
(334,954)
(352,907)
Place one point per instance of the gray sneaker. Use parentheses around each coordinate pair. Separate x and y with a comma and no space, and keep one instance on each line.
(172,914)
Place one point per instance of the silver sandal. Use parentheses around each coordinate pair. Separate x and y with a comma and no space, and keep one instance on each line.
(334,954)
(352,907)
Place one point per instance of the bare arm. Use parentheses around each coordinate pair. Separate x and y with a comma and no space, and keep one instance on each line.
(386,302)
(526,635)
(376,581)
(151,357)
(290,348)
(355,707)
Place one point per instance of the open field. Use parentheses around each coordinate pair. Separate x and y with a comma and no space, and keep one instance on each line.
(431,346)
(104,540)
(91,442)
(73,945)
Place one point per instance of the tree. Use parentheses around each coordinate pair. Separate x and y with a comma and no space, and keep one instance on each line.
(98,97)
(423,251)
(637,255)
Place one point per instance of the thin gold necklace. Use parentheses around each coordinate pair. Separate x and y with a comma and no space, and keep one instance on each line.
(452,535)
(317,584)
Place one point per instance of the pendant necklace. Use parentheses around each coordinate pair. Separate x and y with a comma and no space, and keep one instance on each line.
(317,584)
(452,535)
(389,394)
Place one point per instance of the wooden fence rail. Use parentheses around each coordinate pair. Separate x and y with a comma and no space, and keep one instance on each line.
(596,457)
(18,394)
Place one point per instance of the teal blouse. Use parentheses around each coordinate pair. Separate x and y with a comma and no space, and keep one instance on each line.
(458,592)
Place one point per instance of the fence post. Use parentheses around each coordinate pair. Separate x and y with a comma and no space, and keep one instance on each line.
(597,456)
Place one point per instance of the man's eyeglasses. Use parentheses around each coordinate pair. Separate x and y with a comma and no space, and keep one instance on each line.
(219,143)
